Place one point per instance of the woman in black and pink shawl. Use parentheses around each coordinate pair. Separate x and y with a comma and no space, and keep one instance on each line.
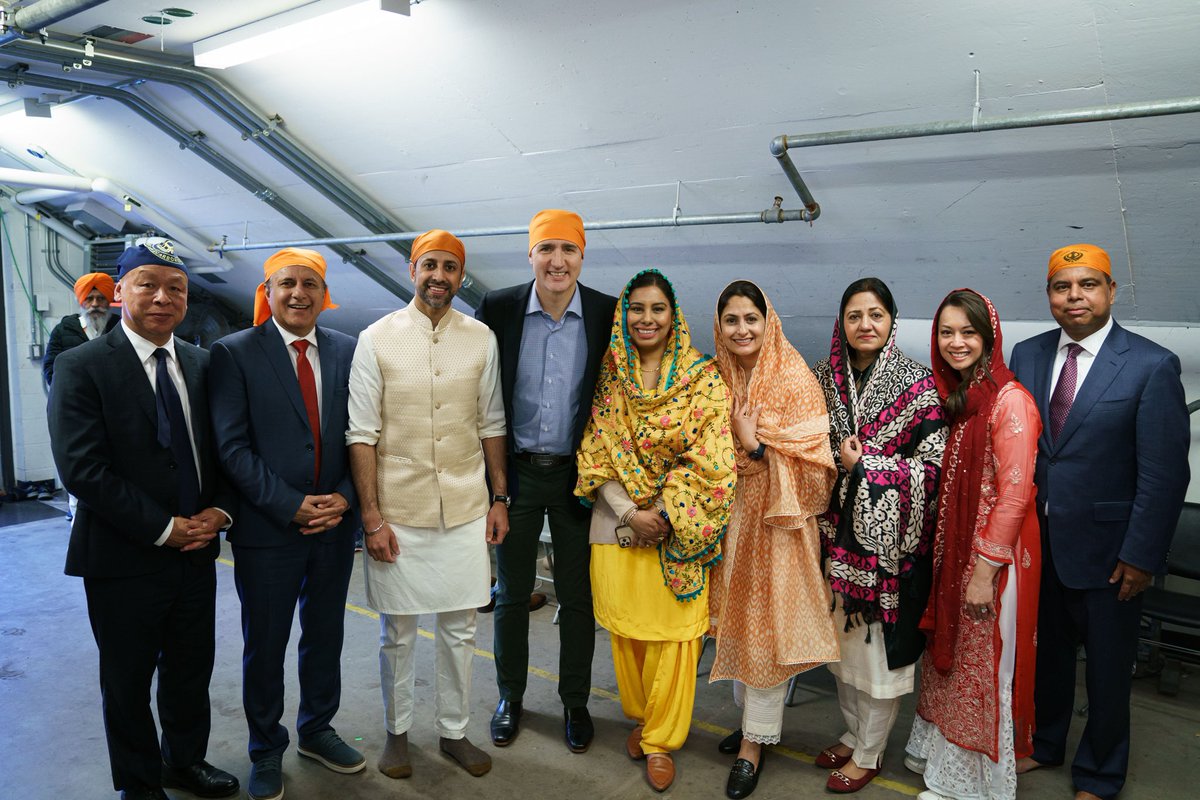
(887,431)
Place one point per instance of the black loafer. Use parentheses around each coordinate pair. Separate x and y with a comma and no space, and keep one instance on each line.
(577,724)
(201,779)
(743,778)
(731,743)
(506,723)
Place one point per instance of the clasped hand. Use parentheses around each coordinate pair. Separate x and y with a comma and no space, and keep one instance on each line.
(649,528)
(196,531)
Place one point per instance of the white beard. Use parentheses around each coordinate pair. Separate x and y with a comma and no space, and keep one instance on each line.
(96,320)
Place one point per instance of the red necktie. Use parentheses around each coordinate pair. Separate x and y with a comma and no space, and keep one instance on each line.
(1064,391)
(308,389)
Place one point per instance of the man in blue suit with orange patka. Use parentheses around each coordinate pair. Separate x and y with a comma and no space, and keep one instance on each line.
(279,394)
(1112,471)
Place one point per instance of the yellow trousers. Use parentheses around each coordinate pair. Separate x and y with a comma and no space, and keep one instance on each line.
(657,683)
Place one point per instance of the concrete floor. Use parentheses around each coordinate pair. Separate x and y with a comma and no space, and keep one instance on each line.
(53,742)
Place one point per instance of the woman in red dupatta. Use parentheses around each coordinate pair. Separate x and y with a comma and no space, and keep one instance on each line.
(975,712)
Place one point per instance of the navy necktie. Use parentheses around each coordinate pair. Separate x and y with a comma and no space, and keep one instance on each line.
(173,433)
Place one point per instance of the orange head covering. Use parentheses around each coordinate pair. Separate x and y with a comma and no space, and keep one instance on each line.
(438,239)
(94,280)
(1079,255)
(287,257)
(554,223)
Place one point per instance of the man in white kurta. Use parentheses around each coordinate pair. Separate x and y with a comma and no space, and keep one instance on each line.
(426,423)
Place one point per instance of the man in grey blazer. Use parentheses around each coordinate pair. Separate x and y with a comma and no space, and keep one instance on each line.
(1112,471)
(279,394)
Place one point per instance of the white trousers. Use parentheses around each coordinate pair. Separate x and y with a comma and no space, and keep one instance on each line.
(455,643)
(762,711)
(869,720)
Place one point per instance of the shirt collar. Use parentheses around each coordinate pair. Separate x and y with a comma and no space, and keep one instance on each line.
(535,305)
(144,347)
(425,323)
(289,337)
(1091,344)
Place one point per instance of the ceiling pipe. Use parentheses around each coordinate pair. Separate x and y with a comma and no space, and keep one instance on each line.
(65,231)
(194,247)
(771,215)
(44,180)
(780,145)
(264,132)
(196,144)
(29,20)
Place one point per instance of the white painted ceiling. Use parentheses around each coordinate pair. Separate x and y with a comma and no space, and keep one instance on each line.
(475,113)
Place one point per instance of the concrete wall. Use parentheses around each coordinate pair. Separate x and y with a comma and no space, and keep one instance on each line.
(26,275)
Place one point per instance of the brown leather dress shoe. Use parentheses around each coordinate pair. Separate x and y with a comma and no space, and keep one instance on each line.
(633,744)
(660,771)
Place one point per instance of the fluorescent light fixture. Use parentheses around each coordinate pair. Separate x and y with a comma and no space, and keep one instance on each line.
(290,30)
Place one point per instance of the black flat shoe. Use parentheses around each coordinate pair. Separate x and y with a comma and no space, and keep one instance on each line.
(506,723)
(731,743)
(578,728)
(743,778)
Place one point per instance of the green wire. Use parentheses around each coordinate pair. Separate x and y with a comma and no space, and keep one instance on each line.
(17,268)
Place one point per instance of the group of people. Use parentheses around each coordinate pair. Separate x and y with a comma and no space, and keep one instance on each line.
(870,514)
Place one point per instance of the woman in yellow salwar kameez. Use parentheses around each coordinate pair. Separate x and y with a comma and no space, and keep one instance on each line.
(657,462)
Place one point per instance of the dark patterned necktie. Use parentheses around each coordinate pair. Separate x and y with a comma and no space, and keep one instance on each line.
(1064,390)
(308,390)
(173,433)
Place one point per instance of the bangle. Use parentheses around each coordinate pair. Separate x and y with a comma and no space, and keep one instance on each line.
(377,530)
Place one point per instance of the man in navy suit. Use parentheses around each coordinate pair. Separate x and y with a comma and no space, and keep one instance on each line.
(130,432)
(279,393)
(1112,471)
(553,333)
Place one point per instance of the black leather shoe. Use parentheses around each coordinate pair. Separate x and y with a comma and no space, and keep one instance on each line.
(201,779)
(743,778)
(144,793)
(731,743)
(506,723)
(577,723)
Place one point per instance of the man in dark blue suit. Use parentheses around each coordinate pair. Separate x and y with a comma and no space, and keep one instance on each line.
(1112,471)
(278,393)
(130,432)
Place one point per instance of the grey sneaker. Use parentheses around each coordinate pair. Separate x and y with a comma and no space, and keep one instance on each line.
(266,778)
(329,749)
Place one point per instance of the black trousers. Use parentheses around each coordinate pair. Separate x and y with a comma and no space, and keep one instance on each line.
(163,621)
(545,491)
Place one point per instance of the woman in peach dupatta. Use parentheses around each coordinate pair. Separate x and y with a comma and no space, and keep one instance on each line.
(975,712)
(769,600)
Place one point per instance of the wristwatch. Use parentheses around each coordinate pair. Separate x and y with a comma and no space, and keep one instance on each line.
(758,453)
(502,498)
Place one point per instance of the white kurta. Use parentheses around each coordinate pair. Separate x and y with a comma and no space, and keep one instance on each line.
(438,569)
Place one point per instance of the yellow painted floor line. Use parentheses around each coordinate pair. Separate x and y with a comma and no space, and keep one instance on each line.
(707,727)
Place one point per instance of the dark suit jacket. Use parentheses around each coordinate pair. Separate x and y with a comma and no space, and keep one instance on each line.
(103,432)
(67,334)
(503,311)
(1115,479)
(263,436)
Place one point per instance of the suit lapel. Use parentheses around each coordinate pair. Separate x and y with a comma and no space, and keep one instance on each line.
(143,395)
(189,365)
(1043,369)
(329,377)
(1107,365)
(511,357)
(277,357)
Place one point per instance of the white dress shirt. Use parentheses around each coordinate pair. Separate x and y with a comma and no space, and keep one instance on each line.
(1091,348)
(312,354)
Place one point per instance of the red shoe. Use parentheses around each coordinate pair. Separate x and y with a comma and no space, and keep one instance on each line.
(840,784)
(827,759)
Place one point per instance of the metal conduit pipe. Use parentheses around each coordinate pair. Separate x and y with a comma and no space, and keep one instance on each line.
(771,215)
(31,19)
(188,142)
(236,111)
(780,145)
